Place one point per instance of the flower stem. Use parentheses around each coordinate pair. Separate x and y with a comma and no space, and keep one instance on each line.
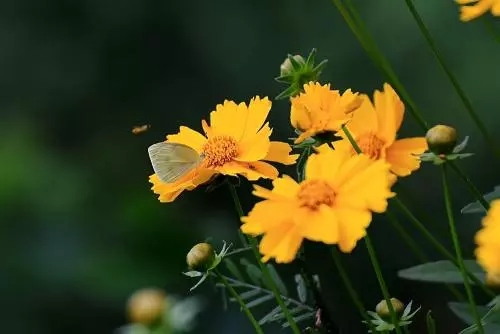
(456,245)
(350,289)
(461,93)
(240,301)
(263,267)
(440,248)
(381,282)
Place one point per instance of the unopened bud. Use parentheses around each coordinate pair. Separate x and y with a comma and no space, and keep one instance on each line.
(382,308)
(200,257)
(146,306)
(286,67)
(441,139)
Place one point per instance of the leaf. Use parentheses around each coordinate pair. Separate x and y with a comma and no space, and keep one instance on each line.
(259,301)
(476,207)
(301,288)
(462,310)
(233,269)
(441,272)
(277,279)
(202,279)
(269,317)
(193,273)
(431,324)
(460,147)
(253,272)
(247,295)
(300,318)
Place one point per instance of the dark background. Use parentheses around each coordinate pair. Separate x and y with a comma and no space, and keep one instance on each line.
(80,228)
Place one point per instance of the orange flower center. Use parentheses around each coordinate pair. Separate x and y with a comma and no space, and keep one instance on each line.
(313,193)
(371,145)
(219,150)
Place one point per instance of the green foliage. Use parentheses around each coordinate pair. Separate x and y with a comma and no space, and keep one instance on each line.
(256,293)
(476,207)
(443,271)
(490,317)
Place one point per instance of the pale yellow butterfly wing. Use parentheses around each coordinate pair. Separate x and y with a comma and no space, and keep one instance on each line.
(172,160)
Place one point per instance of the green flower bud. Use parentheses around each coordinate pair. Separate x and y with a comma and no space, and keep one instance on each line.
(200,257)
(382,308)
(441,139)
(146,306)
(286,67)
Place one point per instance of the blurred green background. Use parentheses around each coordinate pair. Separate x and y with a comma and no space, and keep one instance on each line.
(81,229)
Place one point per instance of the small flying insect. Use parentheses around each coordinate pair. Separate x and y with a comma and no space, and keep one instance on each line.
(140,129)
(171,161)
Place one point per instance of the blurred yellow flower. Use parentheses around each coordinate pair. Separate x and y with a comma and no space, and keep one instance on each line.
(235,143)
(374,126)
(488,244)
(320,109)
(471,9)
(333,205)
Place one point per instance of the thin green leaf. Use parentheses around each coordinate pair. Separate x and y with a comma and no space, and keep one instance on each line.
(259,301)
(441,272)
(202,279)
(193,273)
(301,288)
(247,295)
(277,279)
(233,269)
(431,324)
(300,318)
(460,147)
(253,272)
(476,207)
(270,316)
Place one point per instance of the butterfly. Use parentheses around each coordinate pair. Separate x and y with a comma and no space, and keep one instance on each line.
(171,161)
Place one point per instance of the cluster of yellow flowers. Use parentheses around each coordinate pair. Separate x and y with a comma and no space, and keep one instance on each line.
(341,189)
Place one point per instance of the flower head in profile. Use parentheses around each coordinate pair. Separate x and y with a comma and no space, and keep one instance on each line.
(471,9)
(333,204)
(374,127)
(488,244)
(319,109)
(236,142)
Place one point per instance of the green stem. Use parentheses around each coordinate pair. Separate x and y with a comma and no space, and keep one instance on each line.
(470,185)
(240,301)
(350,289)
(263,267)
(381,282)
(440,248)
(461,93)
(456,245)
(416,249)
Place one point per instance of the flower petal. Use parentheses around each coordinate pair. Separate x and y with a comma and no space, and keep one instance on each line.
(250,170)
(390,111)
(280,152)
(256,146)
(281,243)
(284,188)
(265,216)
(320,225)
(403,155)
(352,227)
(188,137)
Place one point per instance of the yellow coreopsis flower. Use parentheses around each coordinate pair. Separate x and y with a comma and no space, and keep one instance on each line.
(488,244)
(319,109)
(235,143)
(471,9)
(374,126)
(333,204)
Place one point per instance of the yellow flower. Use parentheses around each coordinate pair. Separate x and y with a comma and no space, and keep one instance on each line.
(488,244)
(320,109)
(333,205)
(471,9)
(374,126)
(235,143)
